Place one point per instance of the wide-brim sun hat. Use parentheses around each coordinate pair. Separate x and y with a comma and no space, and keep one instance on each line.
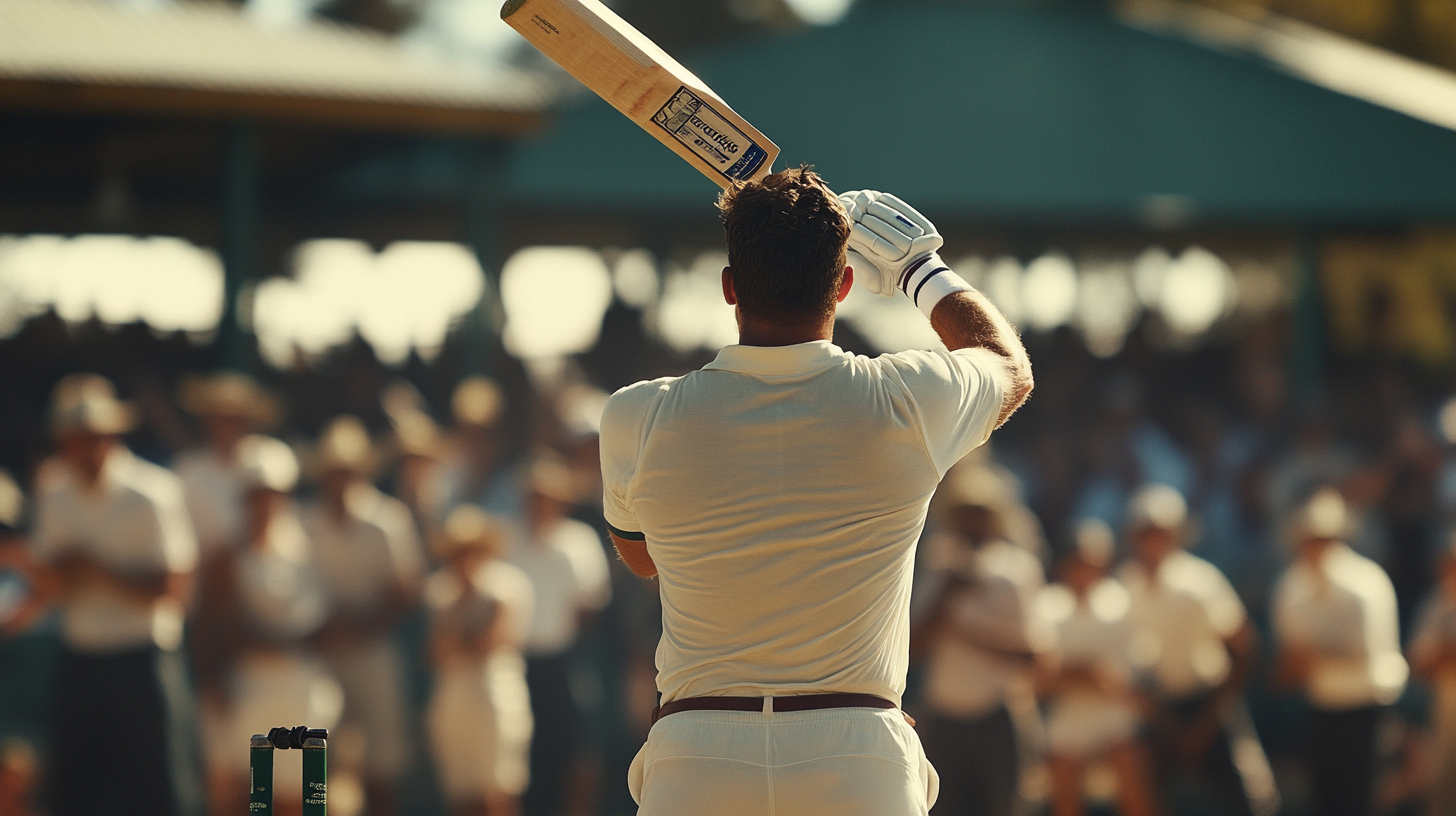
(230,394)
(88,403)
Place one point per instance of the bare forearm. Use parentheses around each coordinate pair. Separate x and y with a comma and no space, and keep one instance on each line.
(969,320)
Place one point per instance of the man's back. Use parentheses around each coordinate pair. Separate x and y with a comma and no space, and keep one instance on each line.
(781,491)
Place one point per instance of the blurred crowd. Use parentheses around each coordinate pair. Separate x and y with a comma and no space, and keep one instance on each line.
(1186,615)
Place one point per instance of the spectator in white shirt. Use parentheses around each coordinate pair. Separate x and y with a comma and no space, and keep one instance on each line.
(1433,658)
(230,406)
(480,711)
(478,469)
(114,533)
(978,655)
(1339,644)
(369,554)
(1083,632)
(1193,641)
(570,581)
(275,599)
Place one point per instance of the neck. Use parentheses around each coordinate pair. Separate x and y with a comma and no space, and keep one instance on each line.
(753,332)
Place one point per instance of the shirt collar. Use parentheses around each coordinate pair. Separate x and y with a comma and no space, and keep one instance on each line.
(777,361)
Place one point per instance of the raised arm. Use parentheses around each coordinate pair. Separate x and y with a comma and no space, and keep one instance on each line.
(895,246)
(968,319)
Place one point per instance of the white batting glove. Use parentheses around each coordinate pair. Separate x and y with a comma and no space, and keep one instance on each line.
(887,237)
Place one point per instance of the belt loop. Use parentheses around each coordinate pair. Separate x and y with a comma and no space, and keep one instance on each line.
(768,705)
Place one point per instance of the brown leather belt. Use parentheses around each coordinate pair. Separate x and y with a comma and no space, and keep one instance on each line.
(802,702)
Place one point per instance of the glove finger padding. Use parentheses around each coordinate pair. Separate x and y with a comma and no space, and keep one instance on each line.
(895,219)
(901,208)
(892,234)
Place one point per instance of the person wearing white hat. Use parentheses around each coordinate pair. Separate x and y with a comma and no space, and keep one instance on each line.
(277,599)
(215,486)
(369,553)
(231,406)
(1432,654)
(1083,635)
(479,714)
(1194,646)
(978,653)
(1336,622)
(571,581)
(479,468)
(114,532)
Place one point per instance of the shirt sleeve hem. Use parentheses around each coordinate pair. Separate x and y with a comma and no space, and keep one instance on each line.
(625,535)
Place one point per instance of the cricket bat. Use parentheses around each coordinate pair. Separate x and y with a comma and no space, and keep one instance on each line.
(649,87)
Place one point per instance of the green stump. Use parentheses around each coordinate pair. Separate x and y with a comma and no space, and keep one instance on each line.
(315,777)
(260,776)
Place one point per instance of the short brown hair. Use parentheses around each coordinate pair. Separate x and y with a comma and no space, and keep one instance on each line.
(787,236)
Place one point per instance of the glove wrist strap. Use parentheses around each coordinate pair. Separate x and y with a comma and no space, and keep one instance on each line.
(926,280)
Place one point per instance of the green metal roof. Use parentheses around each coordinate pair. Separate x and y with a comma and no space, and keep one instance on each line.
(1022,112)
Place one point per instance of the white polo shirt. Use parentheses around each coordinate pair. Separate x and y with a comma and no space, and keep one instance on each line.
(134,524)
(364,554)
(216,490)
(781,492)
(569,575)
(1344,612)
(1181,618)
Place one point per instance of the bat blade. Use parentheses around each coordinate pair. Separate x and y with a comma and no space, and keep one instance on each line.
(639,79)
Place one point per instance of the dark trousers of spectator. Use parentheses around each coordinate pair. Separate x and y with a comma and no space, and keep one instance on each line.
(554,740)
(1214,773)
(977,762)
(1341,752)
(123,738)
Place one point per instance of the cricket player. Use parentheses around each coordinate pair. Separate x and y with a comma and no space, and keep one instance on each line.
(778,494)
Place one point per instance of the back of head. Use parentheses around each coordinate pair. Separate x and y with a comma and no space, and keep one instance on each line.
(787,236)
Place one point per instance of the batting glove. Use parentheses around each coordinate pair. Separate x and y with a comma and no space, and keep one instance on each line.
(887,237)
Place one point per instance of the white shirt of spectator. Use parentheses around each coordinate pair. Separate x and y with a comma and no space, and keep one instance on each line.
(1181,618)
(373,547)
(964,679)
(1344,612)
(280,588)
(1095,634)
(781,491)
(569,575)
(133,523)
(215,489)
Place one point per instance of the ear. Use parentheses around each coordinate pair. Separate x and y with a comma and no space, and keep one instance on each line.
(730,295)
(847,284)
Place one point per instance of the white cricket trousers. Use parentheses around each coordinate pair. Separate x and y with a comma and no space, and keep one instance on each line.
(834,762)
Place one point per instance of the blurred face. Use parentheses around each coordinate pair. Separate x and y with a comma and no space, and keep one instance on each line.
(1080,575)
(465,562)
(1312,550)
(224,432)
(1152,545)
(335,484)
(544,509)
(974,524)
(86,453)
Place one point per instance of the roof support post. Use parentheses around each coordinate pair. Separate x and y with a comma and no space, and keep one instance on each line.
(1307,349)
(241,214)
(480,333)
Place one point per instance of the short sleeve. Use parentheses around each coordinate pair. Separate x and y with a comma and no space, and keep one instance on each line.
(957,396)
(624,421)
(590,571)
(178,542)
(1221,603)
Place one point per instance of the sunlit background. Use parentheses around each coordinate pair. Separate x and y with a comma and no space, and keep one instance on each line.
(1226,230)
